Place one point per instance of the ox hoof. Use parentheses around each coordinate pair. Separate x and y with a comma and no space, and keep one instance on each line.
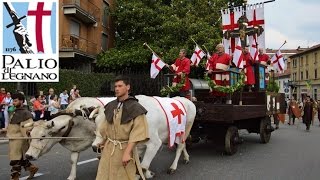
(171,171)
(186,161)
(71,178)
(150,174)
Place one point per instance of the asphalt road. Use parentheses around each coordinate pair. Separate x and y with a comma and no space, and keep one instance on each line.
(291,154)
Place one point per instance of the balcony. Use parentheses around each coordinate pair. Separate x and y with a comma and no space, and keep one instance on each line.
(82,10)
(72,44)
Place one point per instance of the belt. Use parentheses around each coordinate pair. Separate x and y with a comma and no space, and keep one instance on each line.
(115,143)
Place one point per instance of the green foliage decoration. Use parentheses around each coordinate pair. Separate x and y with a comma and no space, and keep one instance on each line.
(173,89)
(226,89)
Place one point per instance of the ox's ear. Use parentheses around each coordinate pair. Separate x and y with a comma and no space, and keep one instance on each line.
(50,124)
(30,124)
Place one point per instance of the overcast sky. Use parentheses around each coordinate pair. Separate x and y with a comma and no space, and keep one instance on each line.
(297,21)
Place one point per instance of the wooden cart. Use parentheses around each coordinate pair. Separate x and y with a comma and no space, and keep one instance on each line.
(221,122)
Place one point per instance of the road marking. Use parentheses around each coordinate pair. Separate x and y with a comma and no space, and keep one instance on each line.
(36,175)
(87,161)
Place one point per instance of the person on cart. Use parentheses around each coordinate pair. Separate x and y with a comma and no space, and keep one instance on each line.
(248,68)
(181,68)
(219,61)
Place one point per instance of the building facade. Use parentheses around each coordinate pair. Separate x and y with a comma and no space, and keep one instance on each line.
(304,73)
(85,30)
(283,78)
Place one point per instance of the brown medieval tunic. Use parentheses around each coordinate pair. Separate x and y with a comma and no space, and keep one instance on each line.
(307,114)
(118,132)
(17,148)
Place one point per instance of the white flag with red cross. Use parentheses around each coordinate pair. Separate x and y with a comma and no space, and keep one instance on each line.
(253,47)
(278,61)
(176,117)
(156,65)
(255,15)
(197,55)
(238,56)
(230,23)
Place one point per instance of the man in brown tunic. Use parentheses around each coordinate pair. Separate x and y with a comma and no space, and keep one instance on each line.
(307,112)
(125,126)
(18,148)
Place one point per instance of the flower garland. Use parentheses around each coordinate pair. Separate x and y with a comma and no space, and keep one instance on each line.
(172,89)
(226,89)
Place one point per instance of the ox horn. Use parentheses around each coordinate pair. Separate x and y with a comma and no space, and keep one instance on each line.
(50,124)
(92,114)
(30,124)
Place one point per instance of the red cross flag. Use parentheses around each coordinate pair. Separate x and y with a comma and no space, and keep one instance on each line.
(156,65)
(278,61)
(197,56)
(237,55)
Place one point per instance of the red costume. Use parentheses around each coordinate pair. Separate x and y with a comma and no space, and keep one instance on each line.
(224,59)
(263,58)
(182,65)
(220,62)
(248,61)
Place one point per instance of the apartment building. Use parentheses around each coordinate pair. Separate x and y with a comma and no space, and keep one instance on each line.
(305,77)
(85,30)
(283,78)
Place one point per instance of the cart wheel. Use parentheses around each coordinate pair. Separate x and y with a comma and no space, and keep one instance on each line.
(265,130)
(231,140)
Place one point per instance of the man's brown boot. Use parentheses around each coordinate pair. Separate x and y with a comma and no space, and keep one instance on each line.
(33,170)
(15,176)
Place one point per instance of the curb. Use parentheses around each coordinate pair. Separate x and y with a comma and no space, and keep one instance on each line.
(4,141)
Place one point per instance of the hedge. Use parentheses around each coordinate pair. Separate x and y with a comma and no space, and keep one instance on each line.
(89,84)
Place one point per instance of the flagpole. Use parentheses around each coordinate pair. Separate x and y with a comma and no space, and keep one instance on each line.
(198,45)
(285,41)
(145,44)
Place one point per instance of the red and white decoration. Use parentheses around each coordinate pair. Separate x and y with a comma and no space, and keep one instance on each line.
(278,61)
(156,65)
(255,15)
(197,55)
(253,48)
(207,63)
(229,23)
(176,119)
(238,56)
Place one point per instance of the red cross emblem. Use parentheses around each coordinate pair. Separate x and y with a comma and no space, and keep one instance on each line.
(232,26)
(176,112)
(155,62)
(39,13)
(255,22)
(198,55)
(277,61)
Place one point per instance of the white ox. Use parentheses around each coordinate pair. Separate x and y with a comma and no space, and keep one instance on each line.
(58,126)
(158,132)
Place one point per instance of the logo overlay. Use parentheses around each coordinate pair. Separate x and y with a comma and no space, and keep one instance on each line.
(29,41)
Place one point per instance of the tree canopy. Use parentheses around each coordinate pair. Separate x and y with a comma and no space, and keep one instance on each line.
(167,26)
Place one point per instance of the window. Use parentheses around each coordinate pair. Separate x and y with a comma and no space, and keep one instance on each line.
(74,28)
(315,95)
(104,42)
(105,14)
(301,77)
(316,74)
(315,58)
(301,62)
(307,75)
(307,59)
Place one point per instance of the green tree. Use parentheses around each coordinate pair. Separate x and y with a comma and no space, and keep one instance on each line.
(166,26)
